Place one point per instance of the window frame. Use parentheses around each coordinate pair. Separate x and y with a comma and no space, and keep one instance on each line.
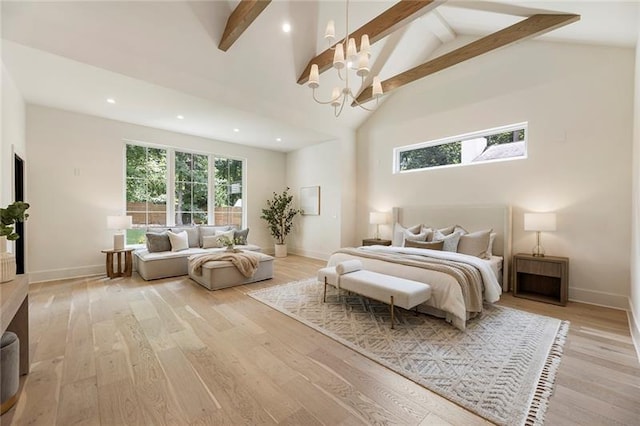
(170,180)
(398,151)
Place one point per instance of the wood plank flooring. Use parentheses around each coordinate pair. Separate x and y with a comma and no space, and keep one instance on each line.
(127,351)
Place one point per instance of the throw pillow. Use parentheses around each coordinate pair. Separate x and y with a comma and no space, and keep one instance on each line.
(433,245)
(179,241)
(450,241)
(192,233)
(492,238)
(475,244)
(398,233)
(240,237)
(157,242)
(206,230)
(414,237)
(228,234)
(210,241)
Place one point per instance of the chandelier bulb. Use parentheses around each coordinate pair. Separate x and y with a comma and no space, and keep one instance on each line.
(338,57)
(352,52)
(363,64)
(335,97)
(330,32)
(314,77)
(364,45)
(377,86)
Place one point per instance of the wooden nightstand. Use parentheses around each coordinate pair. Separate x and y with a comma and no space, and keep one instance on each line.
(545,279)
(375,242)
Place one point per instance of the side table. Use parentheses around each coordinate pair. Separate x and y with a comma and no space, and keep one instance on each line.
(128,262)
(375,242)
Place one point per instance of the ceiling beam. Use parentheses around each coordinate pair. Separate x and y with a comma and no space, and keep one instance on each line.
(530,27)
(397,16)
(240,19)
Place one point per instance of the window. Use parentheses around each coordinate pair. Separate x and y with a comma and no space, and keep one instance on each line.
(167,187)
(228,183)
(191,188)
(146,183)
(502,143)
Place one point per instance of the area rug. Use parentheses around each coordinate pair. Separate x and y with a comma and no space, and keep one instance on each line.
(502,367)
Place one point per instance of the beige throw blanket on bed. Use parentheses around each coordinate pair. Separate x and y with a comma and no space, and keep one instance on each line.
(467,276)
(246,262)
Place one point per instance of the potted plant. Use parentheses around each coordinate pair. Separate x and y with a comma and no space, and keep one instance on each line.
(279,215)
(15,212)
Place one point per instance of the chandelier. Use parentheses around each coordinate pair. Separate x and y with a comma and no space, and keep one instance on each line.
(354,60)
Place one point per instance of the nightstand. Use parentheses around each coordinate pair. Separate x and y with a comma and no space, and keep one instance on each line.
(541,278)
(375,242)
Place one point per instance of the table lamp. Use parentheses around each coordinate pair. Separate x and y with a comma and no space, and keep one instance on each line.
(119,224)
(539,222)
(377,219)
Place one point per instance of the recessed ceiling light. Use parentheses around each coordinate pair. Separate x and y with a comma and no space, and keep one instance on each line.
(111,101)
(180,117)
(236,130)
(278,139)
(286,27)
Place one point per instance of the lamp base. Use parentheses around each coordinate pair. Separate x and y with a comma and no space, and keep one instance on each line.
(118,241)
(538,251)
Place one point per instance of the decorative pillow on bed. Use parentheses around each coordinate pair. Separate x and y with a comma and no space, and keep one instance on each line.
(450,241)
(433,245)
(399,232)
(492,238)
(179,241)
(475,244)
(408,236)
(446,231)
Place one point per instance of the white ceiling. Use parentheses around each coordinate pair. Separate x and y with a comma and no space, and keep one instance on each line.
(160,59)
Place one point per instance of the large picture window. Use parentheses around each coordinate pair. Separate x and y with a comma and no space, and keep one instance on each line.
(191,188)
(146,183)
(498,144)
(167,187)
(228,183)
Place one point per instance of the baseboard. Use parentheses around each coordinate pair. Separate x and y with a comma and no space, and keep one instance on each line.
(600,298)
(65,273)
(309,253)
(634,326)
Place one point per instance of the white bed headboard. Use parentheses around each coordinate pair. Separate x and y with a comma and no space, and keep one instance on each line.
(472,218)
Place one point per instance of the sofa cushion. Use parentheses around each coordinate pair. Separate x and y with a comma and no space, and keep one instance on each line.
(179,241)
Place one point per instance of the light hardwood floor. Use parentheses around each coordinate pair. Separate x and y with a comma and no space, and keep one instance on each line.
(126,351)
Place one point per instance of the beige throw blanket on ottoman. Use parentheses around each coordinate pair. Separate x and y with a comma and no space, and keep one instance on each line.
(245,262)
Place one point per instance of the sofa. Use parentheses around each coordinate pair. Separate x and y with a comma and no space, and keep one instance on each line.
(163,257)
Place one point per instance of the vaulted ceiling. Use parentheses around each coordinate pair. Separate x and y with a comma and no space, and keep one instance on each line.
(161,59)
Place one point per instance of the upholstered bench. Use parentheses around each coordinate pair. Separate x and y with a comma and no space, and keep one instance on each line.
(350,276)
(218,274)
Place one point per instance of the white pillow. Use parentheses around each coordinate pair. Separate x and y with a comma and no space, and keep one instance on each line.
(450,241)
(230,234)
(492,238)
(179,241)
(398,233)
(415,237)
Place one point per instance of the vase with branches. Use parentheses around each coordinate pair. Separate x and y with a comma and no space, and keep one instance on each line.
(279,215)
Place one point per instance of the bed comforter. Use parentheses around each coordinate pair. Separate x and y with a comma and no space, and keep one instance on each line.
(459,283)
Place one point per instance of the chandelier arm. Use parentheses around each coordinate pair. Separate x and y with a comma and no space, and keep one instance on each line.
(335,110)
(355,100)
(322,102)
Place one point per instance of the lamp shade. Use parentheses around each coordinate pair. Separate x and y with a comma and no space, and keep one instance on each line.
(376,218)
(539,221)
(119,222)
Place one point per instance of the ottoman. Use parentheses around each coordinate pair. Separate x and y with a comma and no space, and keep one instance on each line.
(9,370)
(217,274)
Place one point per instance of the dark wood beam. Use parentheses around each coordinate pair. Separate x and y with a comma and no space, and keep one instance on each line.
(533,26)
(397,16)
(243,15)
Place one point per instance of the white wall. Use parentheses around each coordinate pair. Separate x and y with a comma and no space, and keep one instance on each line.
(76,178)
(13,140)
(578,101)
(634,299)
(331,166)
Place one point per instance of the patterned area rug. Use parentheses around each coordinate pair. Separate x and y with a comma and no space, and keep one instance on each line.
(501,367)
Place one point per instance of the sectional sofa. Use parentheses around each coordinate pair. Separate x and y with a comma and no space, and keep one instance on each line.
(160,260)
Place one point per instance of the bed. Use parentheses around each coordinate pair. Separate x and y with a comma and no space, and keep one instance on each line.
(454,297)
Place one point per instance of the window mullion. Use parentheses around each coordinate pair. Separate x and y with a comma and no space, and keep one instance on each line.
(171,187)
(211,191)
